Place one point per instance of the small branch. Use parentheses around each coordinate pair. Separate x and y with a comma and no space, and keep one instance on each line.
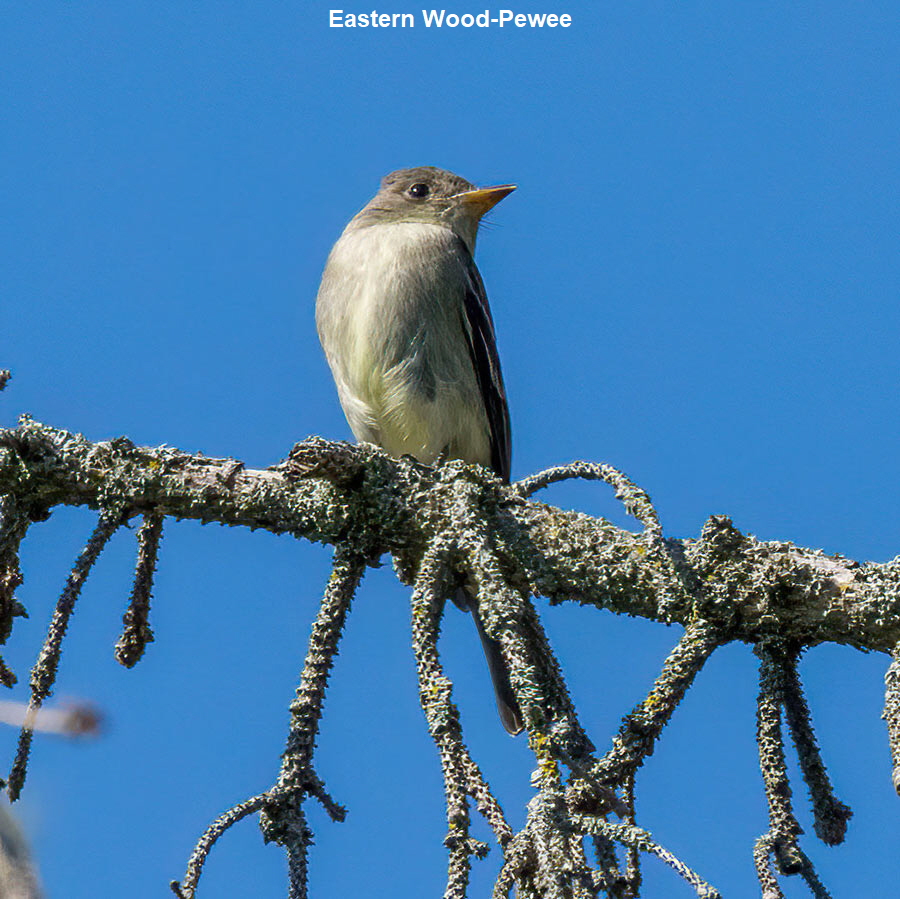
(633,855)
(13,527)
(783,824)
(779,687)
(763,852)
(639,839)
(306,708)
(808,873)
(608,876)
(136,633)
(391,506)
(830,814)
(462,777)
(891,713)
(509,874)
(43,675)
(282,819)
(298,858)
(762,860)
(188,886)
(636,501)
(642,727)
(570,741)
(557,846)
(509,617)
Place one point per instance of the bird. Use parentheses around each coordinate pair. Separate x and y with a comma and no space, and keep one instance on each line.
(404,321)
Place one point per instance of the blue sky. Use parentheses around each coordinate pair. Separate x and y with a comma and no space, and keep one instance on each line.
(697,281)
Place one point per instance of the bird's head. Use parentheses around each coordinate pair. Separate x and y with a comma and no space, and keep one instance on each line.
(432,196)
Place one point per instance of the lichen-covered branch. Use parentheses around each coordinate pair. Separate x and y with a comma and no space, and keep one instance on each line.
(455,523)
(641,729)
(783,826)
(546,860)
(830,814)
(462,777)
(891,713)
(635,500)
(43,675)
(282,818)
(136,632)
(13,527)
(641,840)
(780,692)
(748,587)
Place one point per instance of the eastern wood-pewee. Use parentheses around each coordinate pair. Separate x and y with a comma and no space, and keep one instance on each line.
(405,324)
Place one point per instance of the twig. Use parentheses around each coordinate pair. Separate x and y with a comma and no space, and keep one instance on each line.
(891,713)
(830,814)
(562,871)
(13,527)
(808,872)
(462,777)
(43,674)
(282,819)
(187,887)
(783,824)
(535,674)
(641,728)
(608,876)
(633,855)
(640,839)
(306,708)
(762,861)
(136,633)
(763,852)
(636,501)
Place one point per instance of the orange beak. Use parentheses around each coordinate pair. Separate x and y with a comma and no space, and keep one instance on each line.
(482,199)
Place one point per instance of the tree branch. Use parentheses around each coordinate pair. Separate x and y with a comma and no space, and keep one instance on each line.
(452,521)
(746,587)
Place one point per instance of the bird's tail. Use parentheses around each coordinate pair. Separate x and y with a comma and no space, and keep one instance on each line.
(507,706)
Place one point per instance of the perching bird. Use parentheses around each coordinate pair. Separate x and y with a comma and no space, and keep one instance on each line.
(405,324)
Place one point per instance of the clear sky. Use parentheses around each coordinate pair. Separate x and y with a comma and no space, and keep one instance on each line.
(697,281)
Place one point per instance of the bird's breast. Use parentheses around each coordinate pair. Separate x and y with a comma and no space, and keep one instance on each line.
(389,317)
(389,295)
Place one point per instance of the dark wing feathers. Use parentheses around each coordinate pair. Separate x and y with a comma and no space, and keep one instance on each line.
(478,327)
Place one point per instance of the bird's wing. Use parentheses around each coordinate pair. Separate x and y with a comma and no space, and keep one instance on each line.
(478,326)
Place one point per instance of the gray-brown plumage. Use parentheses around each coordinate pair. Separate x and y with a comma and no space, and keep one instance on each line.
(405,324)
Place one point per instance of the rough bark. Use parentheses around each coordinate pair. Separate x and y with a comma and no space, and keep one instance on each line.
(455,522)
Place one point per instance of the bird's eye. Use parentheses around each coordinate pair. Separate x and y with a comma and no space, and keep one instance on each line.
(419,191)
